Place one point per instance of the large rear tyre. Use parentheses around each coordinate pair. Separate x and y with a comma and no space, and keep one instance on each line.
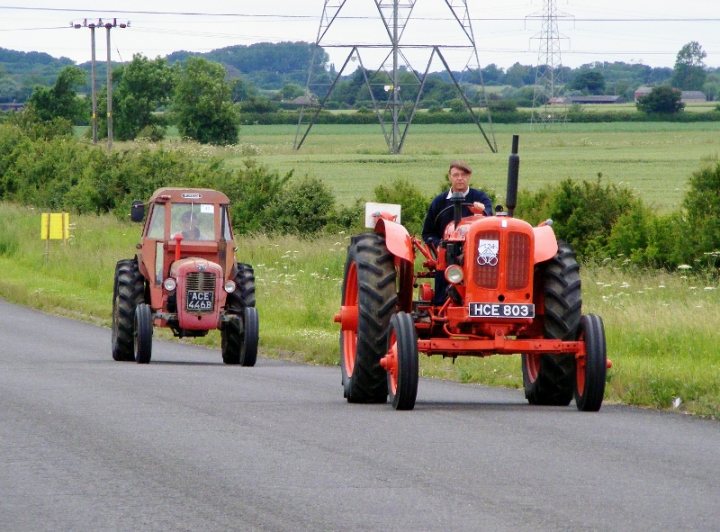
(549,379)
(143,333)
(244,294)
(592,369)
(402,363)
(369,294)
(128,293)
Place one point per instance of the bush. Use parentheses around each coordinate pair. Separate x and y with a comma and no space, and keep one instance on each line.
(663,99)
(414,203)
(701,206)
(305,208)
(583,212)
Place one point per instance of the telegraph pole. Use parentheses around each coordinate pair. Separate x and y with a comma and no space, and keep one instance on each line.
(94,84)
(112,23)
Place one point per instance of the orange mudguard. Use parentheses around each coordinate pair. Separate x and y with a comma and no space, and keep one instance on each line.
(397,239)
(546,246)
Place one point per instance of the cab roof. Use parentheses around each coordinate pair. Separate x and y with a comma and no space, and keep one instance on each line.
(186,195)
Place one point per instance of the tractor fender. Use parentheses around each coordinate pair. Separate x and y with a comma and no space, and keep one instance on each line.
(397,239)
(546,246)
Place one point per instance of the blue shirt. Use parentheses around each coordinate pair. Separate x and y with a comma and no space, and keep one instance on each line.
(433,230)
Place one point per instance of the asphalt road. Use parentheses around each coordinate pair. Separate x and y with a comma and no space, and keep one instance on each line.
(187,443)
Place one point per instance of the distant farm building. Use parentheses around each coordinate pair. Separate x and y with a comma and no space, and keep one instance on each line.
(590,99)
(685,96)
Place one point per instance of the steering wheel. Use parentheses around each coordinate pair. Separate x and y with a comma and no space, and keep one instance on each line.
(464,204)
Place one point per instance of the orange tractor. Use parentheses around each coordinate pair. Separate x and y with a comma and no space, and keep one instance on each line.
(512,289)
(184,277)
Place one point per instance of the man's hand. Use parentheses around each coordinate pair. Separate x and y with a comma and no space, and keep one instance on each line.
(477,208)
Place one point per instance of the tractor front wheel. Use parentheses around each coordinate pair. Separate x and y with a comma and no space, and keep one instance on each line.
(249,345)
(369,296)
(143,333)
(592,368)
(239,339)
(128,288)
(401,362)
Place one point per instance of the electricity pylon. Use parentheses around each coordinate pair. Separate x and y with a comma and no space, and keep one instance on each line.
(395,88)
(547,104)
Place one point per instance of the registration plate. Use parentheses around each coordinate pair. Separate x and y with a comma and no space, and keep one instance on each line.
(501,310)
(200,300)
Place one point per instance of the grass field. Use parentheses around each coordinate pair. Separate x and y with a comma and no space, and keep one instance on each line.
(653,159)
(662,329)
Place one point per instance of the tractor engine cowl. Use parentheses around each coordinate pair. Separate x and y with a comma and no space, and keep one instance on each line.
(200,294)
(499,268)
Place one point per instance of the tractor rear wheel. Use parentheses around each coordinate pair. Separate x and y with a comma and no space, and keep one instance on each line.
(403,365)
(244,294)
(143,333)
(592,369)
(549,379)
(369,293)
(128,293)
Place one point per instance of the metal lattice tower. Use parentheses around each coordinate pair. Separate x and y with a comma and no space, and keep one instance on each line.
(395,16)
(547,105)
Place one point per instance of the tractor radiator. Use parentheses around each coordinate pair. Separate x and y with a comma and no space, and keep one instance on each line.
(502,258)
(200,281)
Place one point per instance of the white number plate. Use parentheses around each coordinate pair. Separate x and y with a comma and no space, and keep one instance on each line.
(501,310)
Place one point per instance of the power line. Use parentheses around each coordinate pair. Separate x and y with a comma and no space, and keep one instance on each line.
(352,17)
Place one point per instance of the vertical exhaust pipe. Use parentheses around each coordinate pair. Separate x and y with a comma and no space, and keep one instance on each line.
(512,180)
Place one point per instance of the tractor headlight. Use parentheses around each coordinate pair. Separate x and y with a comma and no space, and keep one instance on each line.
(169,284)
(454,274)
(230,286)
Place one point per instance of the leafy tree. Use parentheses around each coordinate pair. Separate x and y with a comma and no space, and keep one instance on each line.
(243,89)
(202,103)
(689,72)
(143,85)
(60,100)
(588,81)
(662,99)
(291,90)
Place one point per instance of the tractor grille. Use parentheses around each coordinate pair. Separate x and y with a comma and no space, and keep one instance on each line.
(517,271)
(513,262)
(200,281)
(485,273)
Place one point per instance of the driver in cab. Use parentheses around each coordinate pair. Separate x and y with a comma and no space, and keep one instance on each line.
(440,214)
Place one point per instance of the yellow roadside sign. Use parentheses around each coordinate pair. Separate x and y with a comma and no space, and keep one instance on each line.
(55,226)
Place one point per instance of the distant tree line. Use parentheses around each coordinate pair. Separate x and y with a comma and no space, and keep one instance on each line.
(207,99)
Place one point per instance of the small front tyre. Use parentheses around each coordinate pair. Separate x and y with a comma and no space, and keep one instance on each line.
(401,362)
(143,333)
(249,344)
(239,339)
(591,370)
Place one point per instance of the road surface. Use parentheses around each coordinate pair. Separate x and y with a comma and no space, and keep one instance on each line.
(187,443)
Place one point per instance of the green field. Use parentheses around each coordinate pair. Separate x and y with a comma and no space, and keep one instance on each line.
(662,329)
(653,159)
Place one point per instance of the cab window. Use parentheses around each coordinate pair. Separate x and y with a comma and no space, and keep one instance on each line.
(195,221)
(156,228)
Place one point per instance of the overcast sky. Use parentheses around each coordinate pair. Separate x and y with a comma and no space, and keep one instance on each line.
(506,31)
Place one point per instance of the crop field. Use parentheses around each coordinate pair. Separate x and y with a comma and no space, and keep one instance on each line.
(652,159)
(663,328)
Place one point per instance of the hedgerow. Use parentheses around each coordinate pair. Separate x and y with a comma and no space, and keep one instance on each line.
(46,168)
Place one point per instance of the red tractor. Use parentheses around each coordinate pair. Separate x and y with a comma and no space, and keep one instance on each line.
(512,289)
(184,277)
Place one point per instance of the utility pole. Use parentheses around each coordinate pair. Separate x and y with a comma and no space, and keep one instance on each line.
(112,23)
